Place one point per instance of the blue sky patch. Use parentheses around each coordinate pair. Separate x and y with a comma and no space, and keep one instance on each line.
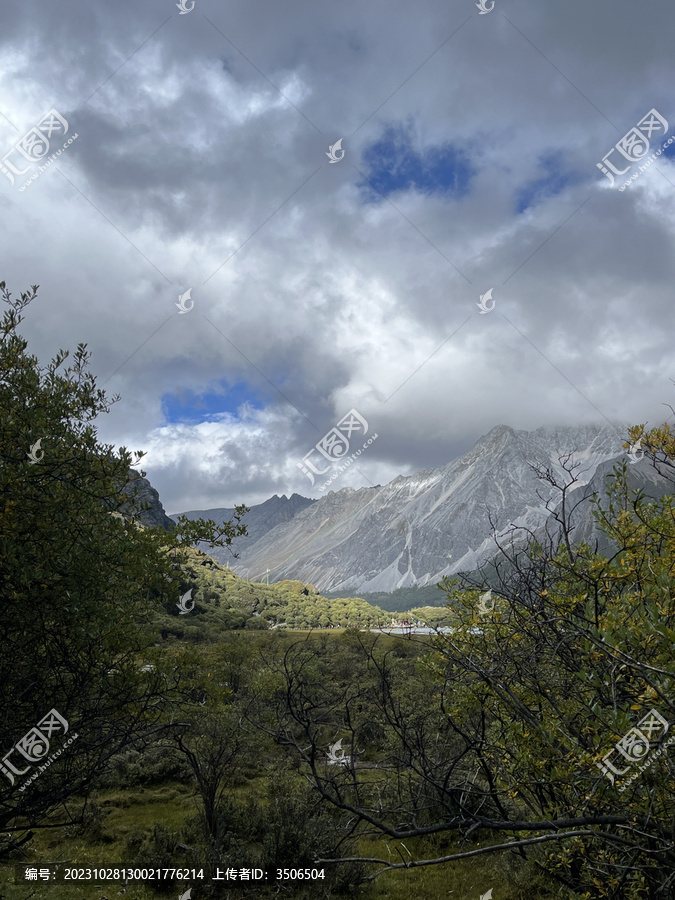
(192,407)
(393,164)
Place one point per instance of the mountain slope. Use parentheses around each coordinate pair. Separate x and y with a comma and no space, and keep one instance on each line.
(142,494)
(436,522)
(641,475)
(258,521)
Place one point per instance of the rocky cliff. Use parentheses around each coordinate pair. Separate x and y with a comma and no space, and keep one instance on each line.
(436,522)
(144,504)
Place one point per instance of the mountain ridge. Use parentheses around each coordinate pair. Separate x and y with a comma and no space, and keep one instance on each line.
(435,522)
(259,520)
(438,521)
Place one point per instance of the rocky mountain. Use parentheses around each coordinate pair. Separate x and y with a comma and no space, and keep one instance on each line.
(437,522)
(261,519)
(144,503)
(641,475)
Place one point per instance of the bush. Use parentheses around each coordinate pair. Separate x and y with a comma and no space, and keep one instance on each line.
(132,768)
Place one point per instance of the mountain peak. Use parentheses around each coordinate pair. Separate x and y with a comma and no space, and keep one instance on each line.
(436,522)
(499,430)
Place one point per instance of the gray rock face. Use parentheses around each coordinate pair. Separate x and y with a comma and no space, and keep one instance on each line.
(142,493)
(418,528)
(641,475)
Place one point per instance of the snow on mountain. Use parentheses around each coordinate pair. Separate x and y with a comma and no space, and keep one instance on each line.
(418,528)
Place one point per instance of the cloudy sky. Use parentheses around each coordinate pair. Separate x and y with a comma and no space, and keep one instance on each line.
(467,164)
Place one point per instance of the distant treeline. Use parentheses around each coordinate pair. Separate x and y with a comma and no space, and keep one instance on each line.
(401,600)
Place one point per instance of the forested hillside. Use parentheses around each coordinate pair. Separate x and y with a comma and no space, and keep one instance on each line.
(404,599)
(223,601)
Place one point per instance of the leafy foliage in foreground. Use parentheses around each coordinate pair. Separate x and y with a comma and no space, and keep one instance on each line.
(78,584)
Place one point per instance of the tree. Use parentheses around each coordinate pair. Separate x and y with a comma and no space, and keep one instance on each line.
(504,732)
(78,587)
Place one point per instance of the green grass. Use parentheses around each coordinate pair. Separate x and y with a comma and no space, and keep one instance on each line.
(125,811)
(139,809)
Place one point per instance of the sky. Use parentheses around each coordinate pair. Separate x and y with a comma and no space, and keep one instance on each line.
(334,294)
